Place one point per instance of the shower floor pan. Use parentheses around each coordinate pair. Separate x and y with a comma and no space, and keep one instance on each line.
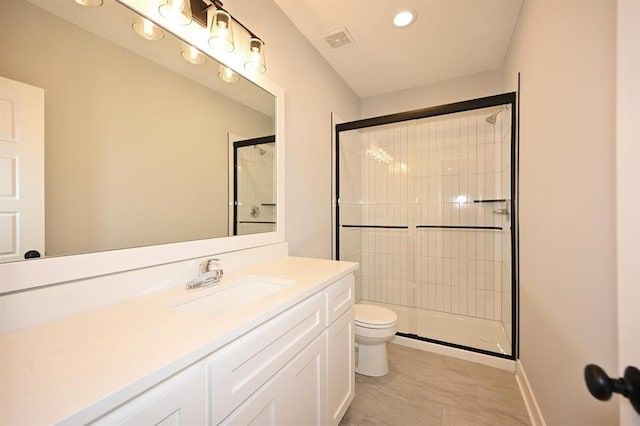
(478,333)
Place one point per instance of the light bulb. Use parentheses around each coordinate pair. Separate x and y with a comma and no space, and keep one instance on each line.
(255,63)
(404,18)
(193,55)
(176,11)
(227,74)
(221,34)
(147,29)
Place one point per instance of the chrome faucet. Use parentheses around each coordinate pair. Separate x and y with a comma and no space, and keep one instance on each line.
(209,273)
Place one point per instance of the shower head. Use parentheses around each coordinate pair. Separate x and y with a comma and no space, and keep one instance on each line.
(493,117)
(262,151)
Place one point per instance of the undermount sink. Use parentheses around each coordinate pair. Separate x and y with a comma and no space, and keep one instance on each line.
(227,297)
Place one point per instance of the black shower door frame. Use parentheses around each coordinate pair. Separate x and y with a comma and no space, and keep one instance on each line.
(509,98)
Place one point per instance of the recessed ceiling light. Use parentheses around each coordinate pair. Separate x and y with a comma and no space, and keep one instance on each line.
(404,18)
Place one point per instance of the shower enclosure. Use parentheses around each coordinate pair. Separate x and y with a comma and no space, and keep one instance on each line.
(426,203)
(254,186)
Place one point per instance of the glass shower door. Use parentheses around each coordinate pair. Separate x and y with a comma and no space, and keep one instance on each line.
(425,206)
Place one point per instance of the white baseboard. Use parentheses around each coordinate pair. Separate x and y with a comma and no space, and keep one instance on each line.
(535,415)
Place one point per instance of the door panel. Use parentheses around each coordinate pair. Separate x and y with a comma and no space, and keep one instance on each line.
(21,169)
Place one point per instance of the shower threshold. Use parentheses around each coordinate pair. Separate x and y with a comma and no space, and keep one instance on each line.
(463,332)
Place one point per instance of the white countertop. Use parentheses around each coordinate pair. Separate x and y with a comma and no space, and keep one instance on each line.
(78,367)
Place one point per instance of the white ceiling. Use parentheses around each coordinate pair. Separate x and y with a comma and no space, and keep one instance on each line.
(449,39)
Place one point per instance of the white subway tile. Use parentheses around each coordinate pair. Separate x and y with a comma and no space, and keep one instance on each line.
(489,277)
(497,276)
(471,273)
(455,214)
(440,298)
(480,303)
(447,299)
(490,156)
(439,270)
(481,158)
(446,267)
(455,271)
(432,297)
(464,301)
(471,302)
(471,244)
(433,270)
(439,243)
(480,275)
(446,209)
(455,300)
(455,244)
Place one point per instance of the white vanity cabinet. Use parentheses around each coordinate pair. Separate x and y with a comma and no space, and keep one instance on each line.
(340,348)
(179,400)
(296,368)
(239,369)
(295,396)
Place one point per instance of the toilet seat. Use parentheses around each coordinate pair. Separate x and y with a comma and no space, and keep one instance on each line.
(372,316)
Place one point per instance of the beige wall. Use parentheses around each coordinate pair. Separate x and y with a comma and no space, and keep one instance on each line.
(628,195)
(313,90)
(119,171)
(444,92)
(565,51)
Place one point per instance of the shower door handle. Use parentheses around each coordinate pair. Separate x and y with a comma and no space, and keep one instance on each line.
(502,211)
(601,386)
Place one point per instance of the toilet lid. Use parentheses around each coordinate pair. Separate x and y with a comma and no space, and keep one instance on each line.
(373,315)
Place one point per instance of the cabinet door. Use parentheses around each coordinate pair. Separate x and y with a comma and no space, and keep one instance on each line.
(239,369)
(294,396)
(305,387)
(179,400)
(340,366)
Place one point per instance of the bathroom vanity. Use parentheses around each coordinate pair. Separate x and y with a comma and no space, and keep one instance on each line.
(282,355)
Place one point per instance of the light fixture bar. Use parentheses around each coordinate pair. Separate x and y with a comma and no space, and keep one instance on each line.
(199,9)
(199,12)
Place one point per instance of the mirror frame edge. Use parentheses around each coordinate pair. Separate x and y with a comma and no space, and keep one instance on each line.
(30,274)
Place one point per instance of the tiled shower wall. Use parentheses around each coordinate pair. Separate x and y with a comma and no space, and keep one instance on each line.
(430,172)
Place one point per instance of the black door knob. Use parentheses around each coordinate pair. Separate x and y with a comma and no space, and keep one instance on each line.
(602,386)
(32,254)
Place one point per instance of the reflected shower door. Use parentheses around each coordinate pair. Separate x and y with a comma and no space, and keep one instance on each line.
(254,205)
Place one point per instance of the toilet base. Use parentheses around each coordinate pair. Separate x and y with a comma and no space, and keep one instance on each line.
(372,360)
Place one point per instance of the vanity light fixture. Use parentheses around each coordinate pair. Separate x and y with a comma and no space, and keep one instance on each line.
(147,29)
(404,18)
(256,56)
(176,11)
(89,3)
(193,55)
(226,74)
(221,32)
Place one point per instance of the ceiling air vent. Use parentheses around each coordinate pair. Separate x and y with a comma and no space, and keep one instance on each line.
(338,39)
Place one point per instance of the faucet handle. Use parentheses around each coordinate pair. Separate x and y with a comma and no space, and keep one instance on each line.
(208,264)
(213,263)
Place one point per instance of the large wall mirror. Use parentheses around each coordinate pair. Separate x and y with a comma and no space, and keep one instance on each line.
(136,138)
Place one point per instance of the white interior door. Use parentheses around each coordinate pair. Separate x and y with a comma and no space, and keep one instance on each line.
(21,170)
(628,195)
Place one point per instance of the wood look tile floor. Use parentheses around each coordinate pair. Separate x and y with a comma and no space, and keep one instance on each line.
(423,388)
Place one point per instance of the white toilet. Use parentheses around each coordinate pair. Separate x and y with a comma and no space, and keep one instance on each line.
(374,326)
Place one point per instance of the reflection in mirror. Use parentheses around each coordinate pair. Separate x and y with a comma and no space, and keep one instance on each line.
(254,189)
(135,137)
